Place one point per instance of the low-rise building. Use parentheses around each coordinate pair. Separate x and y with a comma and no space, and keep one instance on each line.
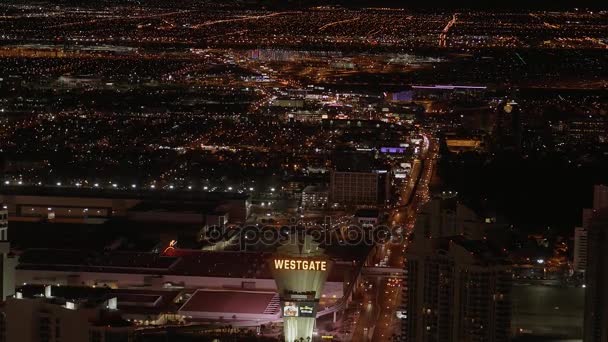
(97,205)
(39,314)
(314,197)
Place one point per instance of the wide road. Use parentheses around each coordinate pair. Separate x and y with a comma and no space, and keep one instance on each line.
(390,292)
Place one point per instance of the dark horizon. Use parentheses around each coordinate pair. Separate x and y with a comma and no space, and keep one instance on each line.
(432,5)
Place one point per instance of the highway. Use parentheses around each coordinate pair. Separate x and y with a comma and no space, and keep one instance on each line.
(382,296)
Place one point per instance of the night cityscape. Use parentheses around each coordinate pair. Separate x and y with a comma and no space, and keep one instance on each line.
(303,170)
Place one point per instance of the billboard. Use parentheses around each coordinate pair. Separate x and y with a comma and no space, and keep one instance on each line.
(392,150)
(298,264)
(299,309)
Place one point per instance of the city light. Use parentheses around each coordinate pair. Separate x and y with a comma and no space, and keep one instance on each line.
(388,167)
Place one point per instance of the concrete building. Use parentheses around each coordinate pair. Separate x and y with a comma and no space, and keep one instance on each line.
(236,306)
(600,197)
(305,115)
(97,205)
(600,201)
(367,217)
(459,144)
(314,197)
(8,262)
(4,223)
(587,215)
(596,293)
(44,317)
(457,290)
(359,188)
(203,274)
(580,249)
(447,217)
(288,102)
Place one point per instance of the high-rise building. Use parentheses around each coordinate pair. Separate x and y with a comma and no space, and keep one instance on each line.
(587,215)
(600,201)
(359,188)
(600,197)
(580,249)
(596,279)
(4,224)
(447,217)
(457,290)
(8,262)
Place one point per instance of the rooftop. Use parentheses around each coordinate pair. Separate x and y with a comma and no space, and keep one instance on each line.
(121,194)
(184,263)
(231,302)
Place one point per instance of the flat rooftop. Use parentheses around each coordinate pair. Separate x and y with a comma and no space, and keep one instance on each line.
(147,194)
(231,302)
(140,301)
(224,264)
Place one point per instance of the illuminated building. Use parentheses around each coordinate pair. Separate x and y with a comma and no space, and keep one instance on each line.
(305,116)
(589,128)
(288,103)
(457,290)
(4,224)
(79,205)
(600,201)
(596,297)
(300,271)
(8,262)
(580,249)
(244,294)
(458,145)
(367,217)
(358,188)
(314,197)
(45,315)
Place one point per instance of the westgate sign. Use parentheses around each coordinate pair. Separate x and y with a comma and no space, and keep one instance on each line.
(300,264)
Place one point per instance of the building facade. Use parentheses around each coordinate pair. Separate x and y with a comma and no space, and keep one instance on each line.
(358,188)
(447,217)
(8,262)
(596,279)
(314,197)
(457,290)
(42,317)
(580,249)
(600,197)
(95,206)
(600,201)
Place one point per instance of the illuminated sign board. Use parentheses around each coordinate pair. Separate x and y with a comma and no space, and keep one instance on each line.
(392,149)
(299,309)
(306,309)
(463,142)
(300,265)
